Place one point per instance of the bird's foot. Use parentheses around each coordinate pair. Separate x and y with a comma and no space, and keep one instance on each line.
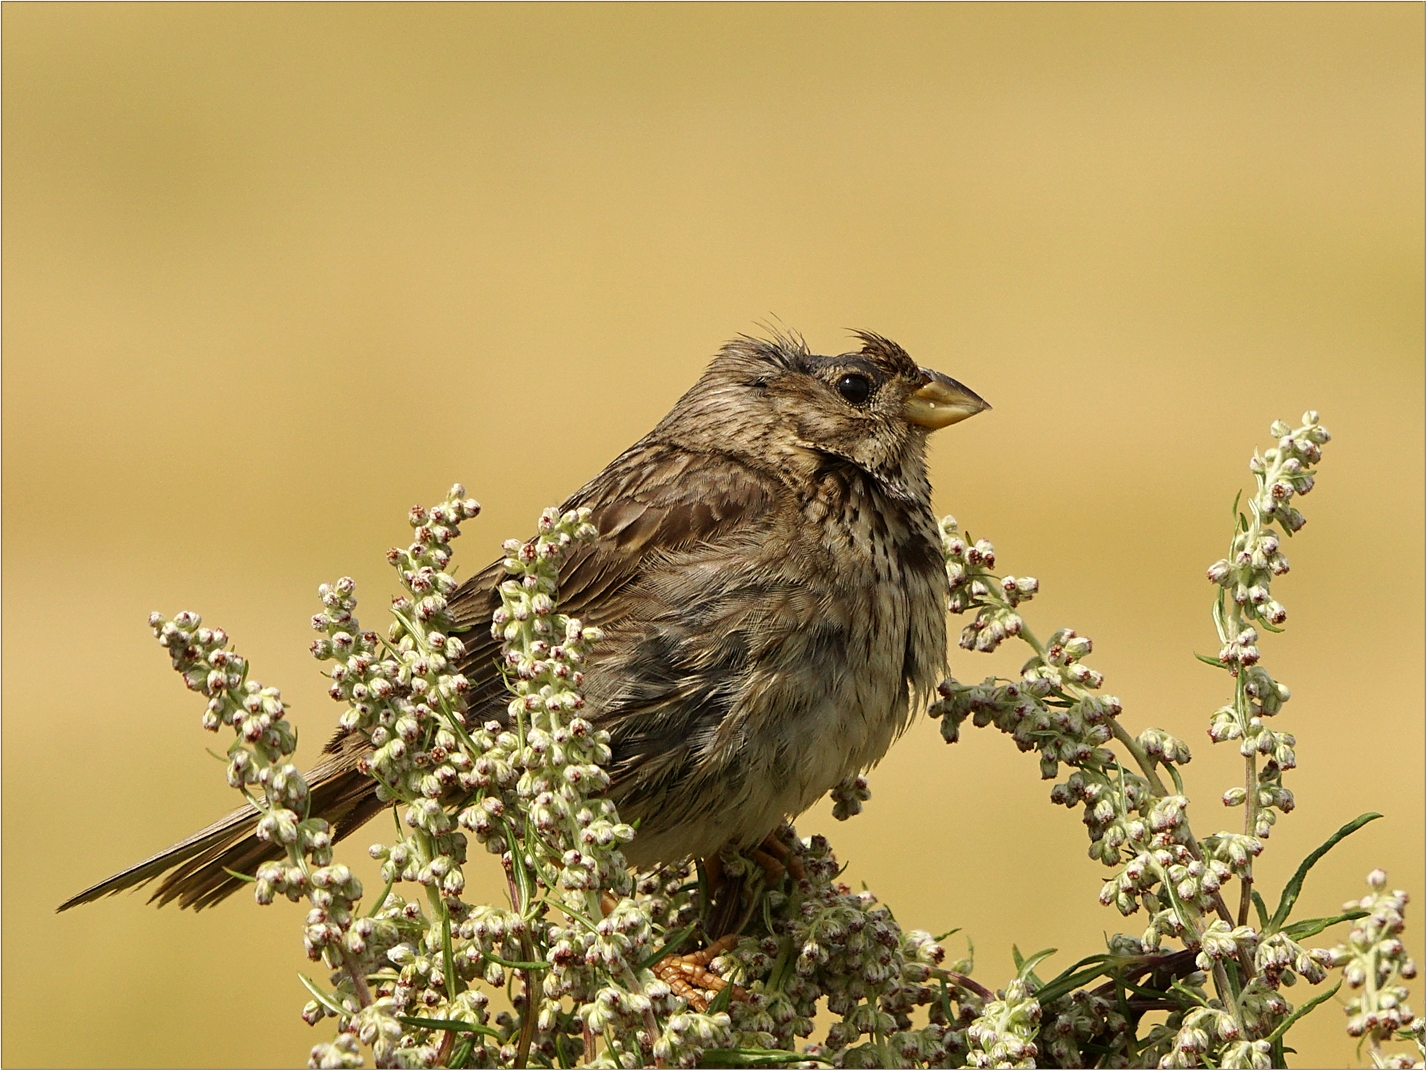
(689,976)
(778,859)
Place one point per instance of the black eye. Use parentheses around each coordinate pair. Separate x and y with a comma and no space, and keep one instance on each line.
(855,388)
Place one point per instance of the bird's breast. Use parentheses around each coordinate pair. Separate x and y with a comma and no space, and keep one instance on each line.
(888,591)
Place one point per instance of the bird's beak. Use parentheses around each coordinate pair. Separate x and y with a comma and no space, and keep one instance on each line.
(941,401)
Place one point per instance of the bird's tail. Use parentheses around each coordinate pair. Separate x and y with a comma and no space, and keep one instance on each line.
(203,864)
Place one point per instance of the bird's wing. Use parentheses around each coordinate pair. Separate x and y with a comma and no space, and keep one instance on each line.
(654,502)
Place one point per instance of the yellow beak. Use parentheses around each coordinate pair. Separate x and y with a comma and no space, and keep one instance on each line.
(942,401)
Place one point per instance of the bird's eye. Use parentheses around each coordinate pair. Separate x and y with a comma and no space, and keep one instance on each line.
(855,388)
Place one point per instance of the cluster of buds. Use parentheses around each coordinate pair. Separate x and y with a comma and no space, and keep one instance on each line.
(1207,1034)
(405,696)
(1286,470)
(1255,556)
(256,713)
(260,758)
(1137,825)
(1004,1034)
(1210,1029)
(542,775)
(688,1034)
(969,568)
(821,940)
(560,755)
(1040,715)
(1374,962)
(528,785)
(1071,1023)
(1222,941)
(848,796)
(1146,837)
(1245,602)
(1280,960)
(422,565)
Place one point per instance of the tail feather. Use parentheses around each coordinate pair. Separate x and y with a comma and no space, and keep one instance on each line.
(189,854)
(201,864)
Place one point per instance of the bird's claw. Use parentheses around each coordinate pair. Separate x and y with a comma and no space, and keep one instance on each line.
(689,976)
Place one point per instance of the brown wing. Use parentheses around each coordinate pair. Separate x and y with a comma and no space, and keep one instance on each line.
(652,502)
(654,499)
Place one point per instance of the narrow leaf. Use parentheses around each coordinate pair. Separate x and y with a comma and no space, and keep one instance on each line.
(1064,984)
(1262,909)
(511,964)
(1026,969)
(721,1001)
(381,900)
(1294,886)
(755,1057)
(1304,1009)
(1301,930)
(450,1025)
(448,958)
(321,997)
(670,946)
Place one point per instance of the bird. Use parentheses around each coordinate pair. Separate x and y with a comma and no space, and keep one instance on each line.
(769,582)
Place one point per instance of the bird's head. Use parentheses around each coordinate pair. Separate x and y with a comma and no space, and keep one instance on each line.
(774,401)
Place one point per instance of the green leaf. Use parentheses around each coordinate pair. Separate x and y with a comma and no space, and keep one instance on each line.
(324,998)
(511,964)
(460,1057)
(449,1025)
(1306,1008)
(521,873)
(1301,930)
(1025,968)
(703,888)
(1175,777)
(1262,909)
(1294,886)
(448,958)
(721,1002)
(1187,994)
(967,964)
(381,900)
(1210,661)
(948,932)
(240,876)
(754,1057)
(1082,972)
(1236,499)
(670,946)
(1219,620)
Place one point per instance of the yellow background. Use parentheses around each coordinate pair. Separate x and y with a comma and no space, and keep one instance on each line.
(273,273)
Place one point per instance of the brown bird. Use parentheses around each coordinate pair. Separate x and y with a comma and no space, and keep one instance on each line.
(770,584)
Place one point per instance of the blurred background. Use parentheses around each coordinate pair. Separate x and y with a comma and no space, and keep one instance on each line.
(272,273)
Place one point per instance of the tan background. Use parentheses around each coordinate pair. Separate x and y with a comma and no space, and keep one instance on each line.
(272,273)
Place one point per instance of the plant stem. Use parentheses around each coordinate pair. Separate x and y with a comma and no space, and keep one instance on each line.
(358,976)
(651,1023)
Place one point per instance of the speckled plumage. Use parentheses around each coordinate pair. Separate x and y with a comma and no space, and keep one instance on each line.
(769,580)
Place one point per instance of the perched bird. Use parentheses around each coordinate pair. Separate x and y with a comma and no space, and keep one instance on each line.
(769,580)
